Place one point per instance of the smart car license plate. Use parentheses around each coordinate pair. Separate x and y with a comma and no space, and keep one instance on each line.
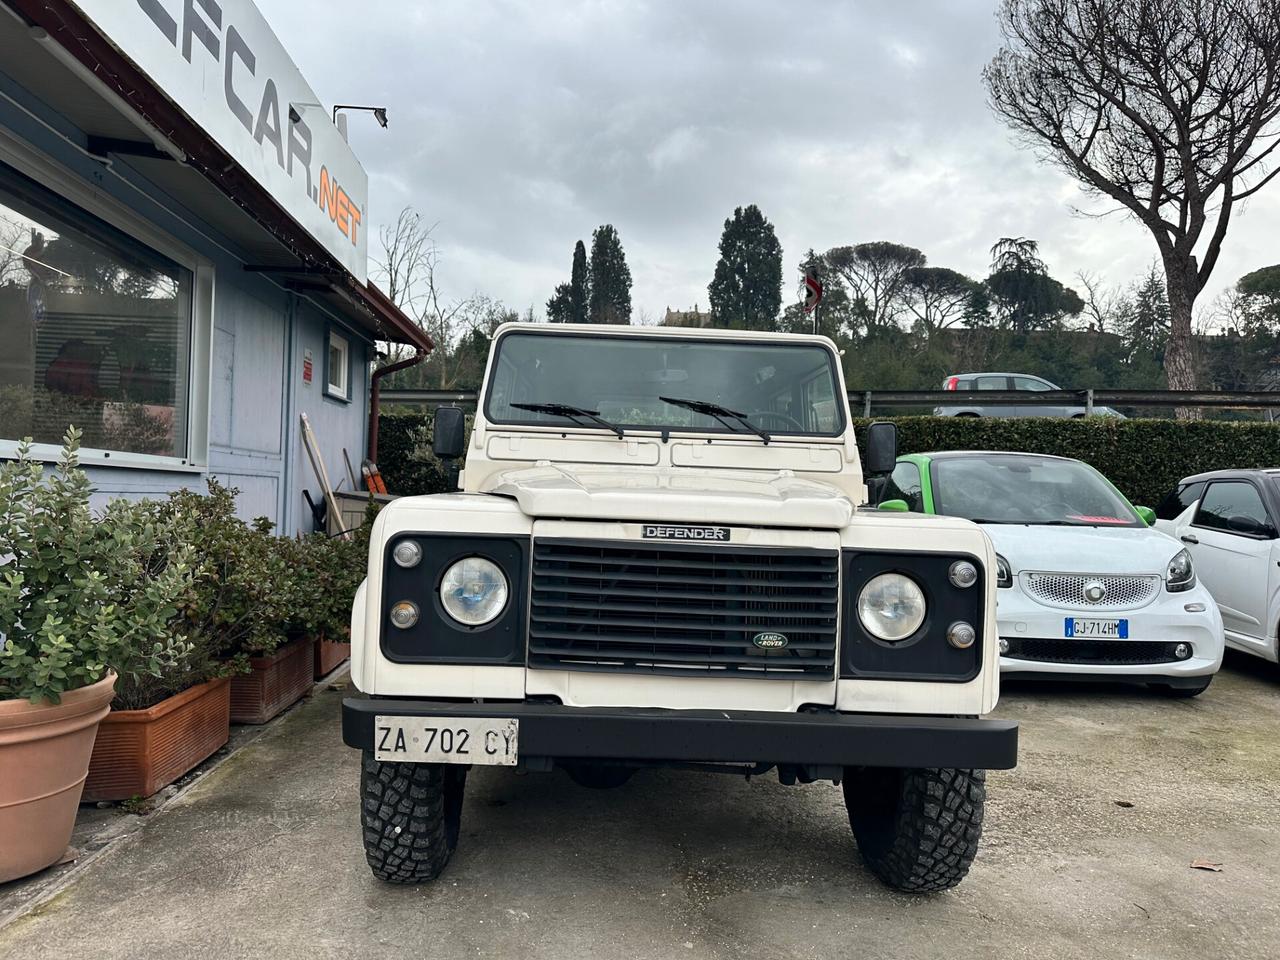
(487,742)
(1099,629)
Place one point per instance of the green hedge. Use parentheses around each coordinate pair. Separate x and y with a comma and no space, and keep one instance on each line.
(1144,458)
(404,454)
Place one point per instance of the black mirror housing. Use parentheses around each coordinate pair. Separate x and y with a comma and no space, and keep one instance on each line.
(449,435)
(881,453)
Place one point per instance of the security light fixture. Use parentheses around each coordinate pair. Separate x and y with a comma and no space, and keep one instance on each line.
(379,113)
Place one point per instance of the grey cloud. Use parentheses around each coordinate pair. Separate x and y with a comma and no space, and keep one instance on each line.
(519,127)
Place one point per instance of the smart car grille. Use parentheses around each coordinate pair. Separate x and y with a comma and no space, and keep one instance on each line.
(1068,590)
(683,610)
(1115,652)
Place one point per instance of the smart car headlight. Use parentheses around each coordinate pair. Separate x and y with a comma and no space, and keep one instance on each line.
(474,591)
(891,606)
(1004,576)
(1181,573)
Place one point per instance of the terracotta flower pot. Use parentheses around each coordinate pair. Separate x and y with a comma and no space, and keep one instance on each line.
(140,751)
(330,653)
(44,756)
(276,681)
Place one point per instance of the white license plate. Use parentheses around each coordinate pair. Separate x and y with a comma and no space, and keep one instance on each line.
(1102,629)
(478,740)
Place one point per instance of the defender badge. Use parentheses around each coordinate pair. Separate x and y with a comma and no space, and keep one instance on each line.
(671,531)
(770,641)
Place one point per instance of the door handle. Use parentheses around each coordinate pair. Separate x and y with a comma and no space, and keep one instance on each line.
(1189,538)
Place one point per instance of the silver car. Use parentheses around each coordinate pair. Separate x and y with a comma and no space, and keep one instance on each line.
(970,384)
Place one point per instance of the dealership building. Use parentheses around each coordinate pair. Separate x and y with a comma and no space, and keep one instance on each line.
(183,253)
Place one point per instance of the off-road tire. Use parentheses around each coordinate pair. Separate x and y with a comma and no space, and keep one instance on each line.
(598,776)
(917,830)
(1180,692)
(410,815)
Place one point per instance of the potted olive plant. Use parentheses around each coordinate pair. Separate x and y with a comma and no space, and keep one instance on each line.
(81,596)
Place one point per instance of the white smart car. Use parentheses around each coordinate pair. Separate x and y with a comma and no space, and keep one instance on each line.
(1088,589)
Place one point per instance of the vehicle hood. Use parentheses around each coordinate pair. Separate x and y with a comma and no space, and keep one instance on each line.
(1123,550)
(596,492)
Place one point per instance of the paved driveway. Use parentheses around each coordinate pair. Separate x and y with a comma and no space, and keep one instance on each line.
(1086,854)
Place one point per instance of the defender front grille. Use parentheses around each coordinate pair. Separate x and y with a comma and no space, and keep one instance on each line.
(1097,652)
(682,610)
(1067,590)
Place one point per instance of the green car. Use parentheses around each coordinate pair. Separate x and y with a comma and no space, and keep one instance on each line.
(910,486)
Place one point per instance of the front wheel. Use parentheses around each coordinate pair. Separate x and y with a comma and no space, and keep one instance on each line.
(917,830)
(410,816)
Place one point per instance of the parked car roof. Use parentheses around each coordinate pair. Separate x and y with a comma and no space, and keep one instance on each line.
(956,454)
(998,373)
(1228,474)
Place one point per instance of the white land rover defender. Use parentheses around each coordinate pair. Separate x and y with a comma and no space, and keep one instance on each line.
(657,557)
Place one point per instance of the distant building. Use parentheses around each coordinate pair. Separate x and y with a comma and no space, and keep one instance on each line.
(686,318)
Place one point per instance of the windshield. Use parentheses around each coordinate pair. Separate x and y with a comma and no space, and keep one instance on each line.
(782,388)
(999,488)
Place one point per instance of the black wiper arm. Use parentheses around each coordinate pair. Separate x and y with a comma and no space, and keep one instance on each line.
(723,414)
(567,410)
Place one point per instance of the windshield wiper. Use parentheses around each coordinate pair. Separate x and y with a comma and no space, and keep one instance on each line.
(567,410)
(723,414)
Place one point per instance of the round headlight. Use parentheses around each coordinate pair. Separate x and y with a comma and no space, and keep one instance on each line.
(891,607)
(474,591)
(407,553)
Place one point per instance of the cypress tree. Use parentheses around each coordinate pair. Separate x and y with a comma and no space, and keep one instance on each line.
(746,291)
(579,285)
(610,300)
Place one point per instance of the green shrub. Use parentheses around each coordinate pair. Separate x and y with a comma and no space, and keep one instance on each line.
(1144,458)
(404,454)
(81,595)
(239,603)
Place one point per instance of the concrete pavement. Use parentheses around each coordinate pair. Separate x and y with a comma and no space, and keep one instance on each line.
(1087,854)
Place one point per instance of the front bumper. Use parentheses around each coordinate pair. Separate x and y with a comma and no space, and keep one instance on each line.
(1165,620)
(556,732)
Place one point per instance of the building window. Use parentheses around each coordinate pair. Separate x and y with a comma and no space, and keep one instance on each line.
(96,329)
(338,367)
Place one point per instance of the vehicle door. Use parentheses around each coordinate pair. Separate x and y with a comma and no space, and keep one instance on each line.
(1036,385)
(1173,513)
(1230,538)
(990,382)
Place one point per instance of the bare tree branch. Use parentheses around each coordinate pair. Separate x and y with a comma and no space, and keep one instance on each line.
(1170,108)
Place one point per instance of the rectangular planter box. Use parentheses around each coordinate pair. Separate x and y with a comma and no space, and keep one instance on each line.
(275,682)
(141,751)
(330,653)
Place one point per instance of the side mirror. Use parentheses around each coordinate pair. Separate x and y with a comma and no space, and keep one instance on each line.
(881,455)
(896,506)
(1148,515)
(1247,525)
(449,436)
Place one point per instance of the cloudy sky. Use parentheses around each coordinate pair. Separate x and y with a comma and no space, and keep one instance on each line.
(519,127)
